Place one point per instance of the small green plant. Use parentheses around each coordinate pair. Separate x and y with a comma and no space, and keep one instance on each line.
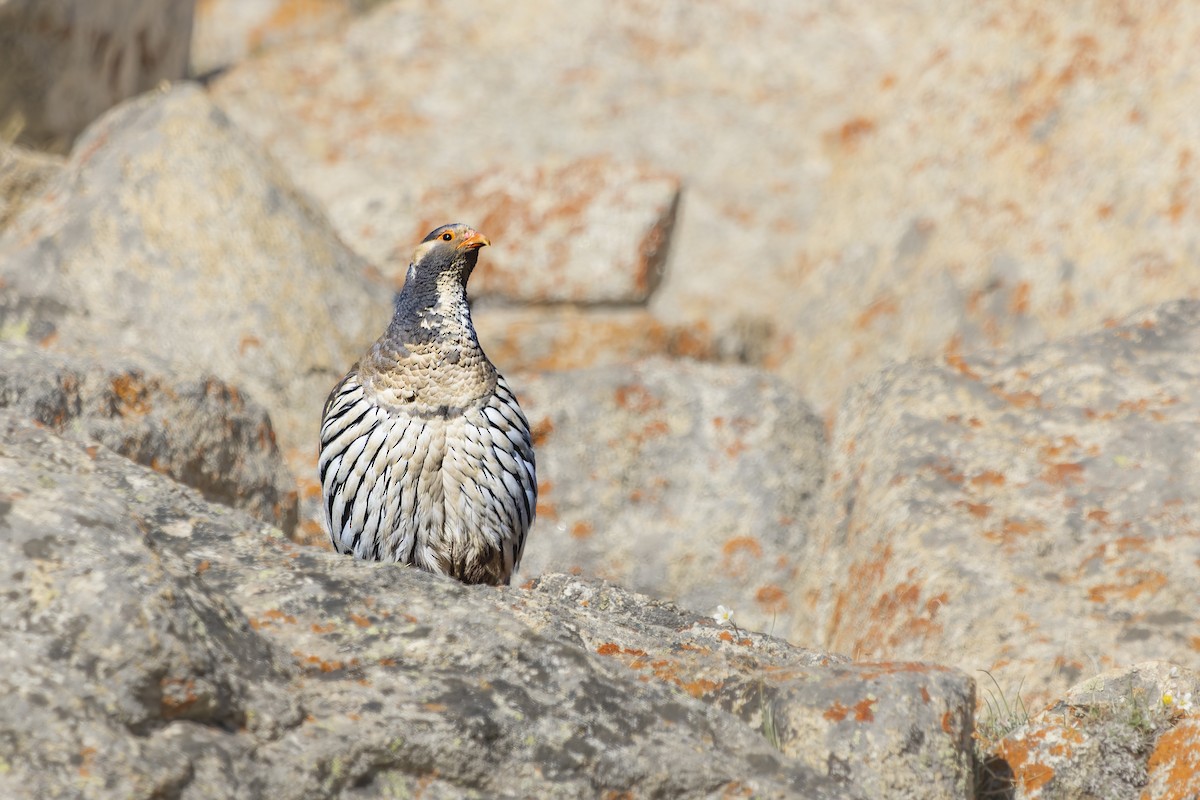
(993,777)
(1002,716)
(767,726)
(1115,729)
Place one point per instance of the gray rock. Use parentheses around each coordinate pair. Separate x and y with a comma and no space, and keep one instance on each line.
(588,231)
(227,31)
(723,97)
(170,235)
(1120,735)
(22,173)
(64,62)
(110,638)
(1025,514)
(201,432)
(876,181)
(680,479)
(565,337)
(154,644)
(842,720)
(850,720)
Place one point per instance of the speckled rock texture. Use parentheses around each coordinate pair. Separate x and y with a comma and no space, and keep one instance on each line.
(227,31)
(200,432)
(564,337)
(1028,514)
(64,62)
(1125,734)
(689,481)
(170,234)
(865,183)
(1173,769)
(157,645)
(588,231)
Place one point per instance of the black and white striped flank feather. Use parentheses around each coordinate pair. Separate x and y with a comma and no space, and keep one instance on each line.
(426,458)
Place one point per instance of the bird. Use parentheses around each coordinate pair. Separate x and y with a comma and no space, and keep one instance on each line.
(425,456)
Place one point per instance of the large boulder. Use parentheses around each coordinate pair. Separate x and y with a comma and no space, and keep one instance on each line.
(1028,514)
(170,234)
(589,231)
(65,62)
(869,182)
(155,644)
(680,479)
(118,660)
(199,431)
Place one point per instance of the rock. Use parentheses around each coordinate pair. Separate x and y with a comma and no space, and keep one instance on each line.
(837,718)
(878,182)
(1173,769)
(848,720)
(983,189)
(226,31)
(536,339)
(1025,514)
(1115,735)
(683,480)
(156,644)
(170,236)
(698,94)
(22,174)
(200,432)
(64,62)
(589,231)
(117,659)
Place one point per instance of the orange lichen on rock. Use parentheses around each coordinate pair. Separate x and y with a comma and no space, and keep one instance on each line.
(1141,581)
(131,391)
(956,362)
(862,575)
(979,510)
(862,710)
(987,478)
(1022,400)
(854,130)
(1063,473)
(1013,530)
(836,712)
(1031,755)
(737,554)
(881,307)
(771,598)
(541,431)
(636,398)
(899,616)
(1174,766)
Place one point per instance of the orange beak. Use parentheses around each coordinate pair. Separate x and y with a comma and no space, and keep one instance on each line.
(474,241)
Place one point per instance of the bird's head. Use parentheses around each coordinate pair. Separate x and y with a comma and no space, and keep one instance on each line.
(447,254)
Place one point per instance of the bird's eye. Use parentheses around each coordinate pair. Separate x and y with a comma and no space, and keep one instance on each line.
(447,236)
